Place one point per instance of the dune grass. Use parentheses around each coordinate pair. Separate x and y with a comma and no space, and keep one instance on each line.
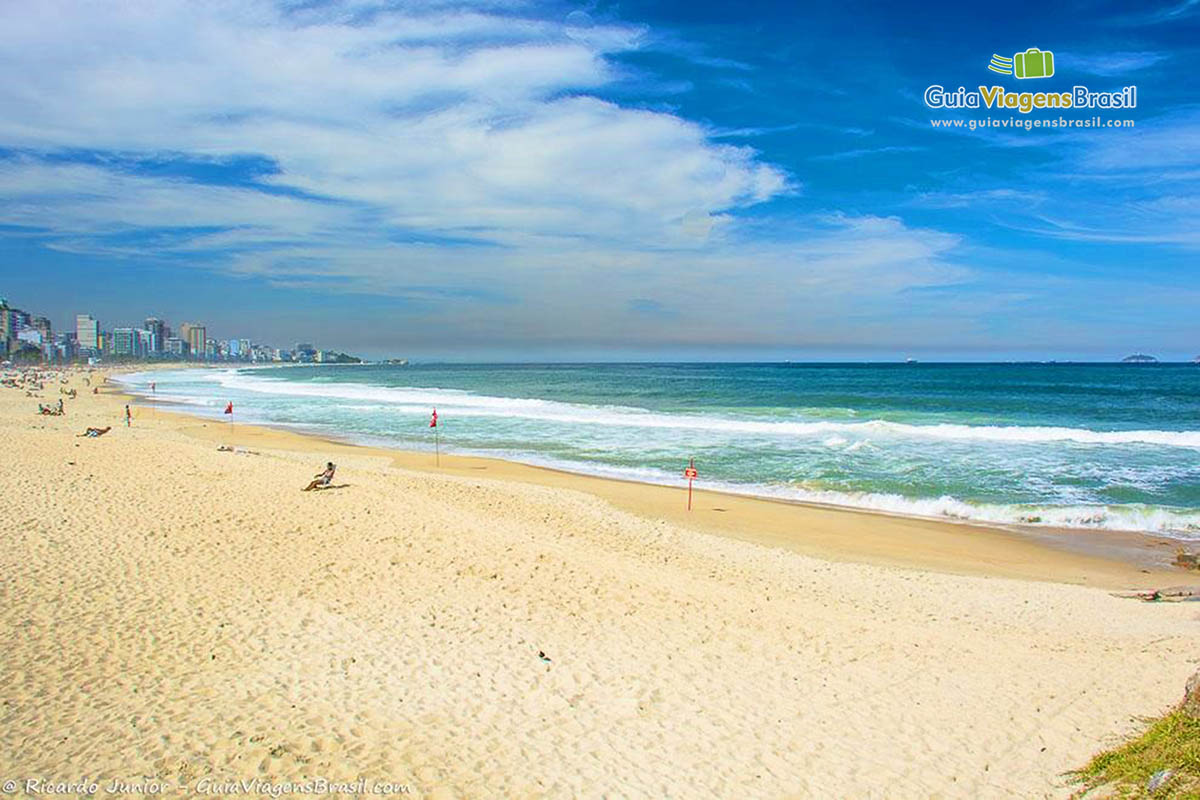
(1171,743)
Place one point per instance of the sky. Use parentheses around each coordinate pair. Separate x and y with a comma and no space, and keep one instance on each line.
(669,180)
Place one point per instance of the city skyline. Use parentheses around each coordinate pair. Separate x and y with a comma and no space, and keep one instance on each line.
(23,333)
(156,340)
(649,180)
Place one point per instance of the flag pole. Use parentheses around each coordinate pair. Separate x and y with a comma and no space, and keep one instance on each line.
(691,462)
(437,440)
(691,474)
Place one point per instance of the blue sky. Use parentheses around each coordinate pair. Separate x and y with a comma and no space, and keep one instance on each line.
(633,180)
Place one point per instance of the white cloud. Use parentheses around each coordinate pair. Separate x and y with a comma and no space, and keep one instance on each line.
(442,121)
(1111,64)
(867,151)
(1155,145)
(398,127)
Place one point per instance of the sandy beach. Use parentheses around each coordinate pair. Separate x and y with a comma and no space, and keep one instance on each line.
(181,614)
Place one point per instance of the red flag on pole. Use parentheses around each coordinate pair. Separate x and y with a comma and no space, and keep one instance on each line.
(437,445)
(229,408)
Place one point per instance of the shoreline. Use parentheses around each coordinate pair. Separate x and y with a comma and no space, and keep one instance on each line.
(1106,558)
(1138,545)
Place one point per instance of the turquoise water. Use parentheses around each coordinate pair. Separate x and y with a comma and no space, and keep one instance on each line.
(1086,445)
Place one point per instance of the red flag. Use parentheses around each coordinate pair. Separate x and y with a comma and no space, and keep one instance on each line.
(229,408)
(433,421)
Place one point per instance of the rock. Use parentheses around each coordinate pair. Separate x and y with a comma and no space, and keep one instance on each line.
(1191,697)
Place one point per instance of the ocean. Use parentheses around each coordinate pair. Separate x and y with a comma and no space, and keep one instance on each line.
(1066,445)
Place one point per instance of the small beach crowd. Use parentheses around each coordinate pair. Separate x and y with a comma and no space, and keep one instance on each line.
(33,381)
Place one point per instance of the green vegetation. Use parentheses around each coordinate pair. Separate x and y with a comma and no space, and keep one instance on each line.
(25,357)
(1172,743)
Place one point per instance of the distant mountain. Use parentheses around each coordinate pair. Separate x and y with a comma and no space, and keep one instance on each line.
(1139,358)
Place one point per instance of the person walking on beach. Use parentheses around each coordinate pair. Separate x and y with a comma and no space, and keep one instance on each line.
(322,479)
(128,416)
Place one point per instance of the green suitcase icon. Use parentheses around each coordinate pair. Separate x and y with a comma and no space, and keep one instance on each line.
(1033,63)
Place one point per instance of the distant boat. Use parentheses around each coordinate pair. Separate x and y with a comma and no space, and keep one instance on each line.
(910,361)
(1139,358)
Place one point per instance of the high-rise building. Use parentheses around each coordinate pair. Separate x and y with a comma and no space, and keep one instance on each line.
(8,326)
(42,326)
(125,342)
(148,343)
(176,347)
(87,332)
(159,329)
(196,338)
(64,347)
(30,336)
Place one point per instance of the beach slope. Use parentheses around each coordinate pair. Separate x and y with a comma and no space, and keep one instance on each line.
(176,611)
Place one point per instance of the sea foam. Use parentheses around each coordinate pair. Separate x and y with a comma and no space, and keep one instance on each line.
(467,404)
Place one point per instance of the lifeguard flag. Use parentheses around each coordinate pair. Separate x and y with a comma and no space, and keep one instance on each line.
(433,420)
(229,408)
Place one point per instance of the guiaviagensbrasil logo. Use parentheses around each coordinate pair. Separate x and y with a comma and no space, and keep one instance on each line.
(1033,63)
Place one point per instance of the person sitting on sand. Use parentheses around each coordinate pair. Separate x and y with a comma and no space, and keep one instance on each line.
(322,479)
(94,432)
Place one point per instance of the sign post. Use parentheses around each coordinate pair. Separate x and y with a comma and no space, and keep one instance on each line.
(691,474)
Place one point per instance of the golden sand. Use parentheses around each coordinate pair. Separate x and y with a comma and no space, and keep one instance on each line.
(184,614)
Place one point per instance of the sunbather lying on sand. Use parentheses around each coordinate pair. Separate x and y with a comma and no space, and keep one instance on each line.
(94,432)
